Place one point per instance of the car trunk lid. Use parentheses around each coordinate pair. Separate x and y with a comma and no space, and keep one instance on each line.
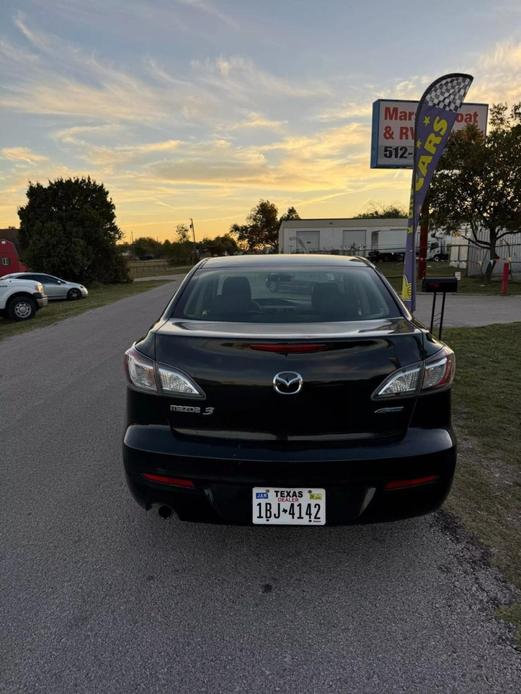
(340,367)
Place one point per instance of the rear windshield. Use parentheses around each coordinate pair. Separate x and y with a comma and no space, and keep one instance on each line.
(310,295)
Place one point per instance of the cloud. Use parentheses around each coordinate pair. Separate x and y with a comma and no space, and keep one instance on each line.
(212,11)
(241,78)
(22,154)
(103,155)
(504,56)
(256,121)
(77,135)
(346,111)
(325,161)
(58,78)
(498,74)
(37,39)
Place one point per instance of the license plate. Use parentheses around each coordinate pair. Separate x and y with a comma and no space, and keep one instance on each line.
(288,506)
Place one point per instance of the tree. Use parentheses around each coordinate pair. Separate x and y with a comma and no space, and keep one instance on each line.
(383,212)
(478,184)
(290,214)
(180,253)
(261,230)
(182,232)
(220,245)
(68,228)
(146,247)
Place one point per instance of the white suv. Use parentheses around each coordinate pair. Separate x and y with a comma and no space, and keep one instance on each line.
(20,299)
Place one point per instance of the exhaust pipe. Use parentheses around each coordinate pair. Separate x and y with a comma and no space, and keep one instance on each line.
(165,511)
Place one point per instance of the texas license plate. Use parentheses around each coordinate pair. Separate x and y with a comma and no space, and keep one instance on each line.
(288,506)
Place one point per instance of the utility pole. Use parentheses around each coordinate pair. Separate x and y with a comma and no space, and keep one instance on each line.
(195,253)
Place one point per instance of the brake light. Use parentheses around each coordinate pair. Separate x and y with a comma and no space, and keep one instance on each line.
(279,348)
(434,373)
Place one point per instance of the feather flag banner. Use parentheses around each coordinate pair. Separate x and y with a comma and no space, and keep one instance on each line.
(435,116)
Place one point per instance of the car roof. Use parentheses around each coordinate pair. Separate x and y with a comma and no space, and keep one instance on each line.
(284,260)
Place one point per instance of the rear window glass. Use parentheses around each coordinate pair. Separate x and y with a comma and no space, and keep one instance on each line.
(291,295)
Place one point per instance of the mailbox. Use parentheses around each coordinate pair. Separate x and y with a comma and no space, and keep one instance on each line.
(440,284)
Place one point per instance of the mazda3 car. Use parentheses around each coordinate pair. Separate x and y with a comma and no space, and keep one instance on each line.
(324,402)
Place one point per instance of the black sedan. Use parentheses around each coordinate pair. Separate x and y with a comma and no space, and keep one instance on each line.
(324,406)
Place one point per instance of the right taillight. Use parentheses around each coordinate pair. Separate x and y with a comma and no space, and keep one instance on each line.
(439,370)
(435,372)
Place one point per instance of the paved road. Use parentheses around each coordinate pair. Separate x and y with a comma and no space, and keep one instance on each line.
(98,596)
(465,310)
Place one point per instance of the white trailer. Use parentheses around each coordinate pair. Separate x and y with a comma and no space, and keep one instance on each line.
(379,239)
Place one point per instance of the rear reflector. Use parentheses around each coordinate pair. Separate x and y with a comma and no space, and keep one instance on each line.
(291,348)
(171,481)
(406,484)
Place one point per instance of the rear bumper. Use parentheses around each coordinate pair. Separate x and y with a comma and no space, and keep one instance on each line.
(223,474)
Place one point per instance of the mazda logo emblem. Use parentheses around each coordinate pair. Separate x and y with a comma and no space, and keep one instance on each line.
(288,383)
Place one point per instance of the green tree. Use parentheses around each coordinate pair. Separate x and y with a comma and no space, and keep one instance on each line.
(382,212)
(290,214)
(261,230)
(220,245)
(181,253)
(478,183)
(146,247)
(68,228)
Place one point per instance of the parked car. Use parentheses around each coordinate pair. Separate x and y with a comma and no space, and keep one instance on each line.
(328,407)
(386,256)
(55,288)
(20,299)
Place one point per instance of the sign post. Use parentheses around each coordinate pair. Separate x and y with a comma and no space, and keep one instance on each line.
(424,233)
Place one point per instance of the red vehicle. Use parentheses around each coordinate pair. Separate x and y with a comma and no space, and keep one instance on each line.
(9,259)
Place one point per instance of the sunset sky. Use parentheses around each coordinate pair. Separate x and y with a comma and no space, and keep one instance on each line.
(198,108)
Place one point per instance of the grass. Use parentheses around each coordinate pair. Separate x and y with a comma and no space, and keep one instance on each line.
(154,268)
(467,285)
(487,490)
(59,310)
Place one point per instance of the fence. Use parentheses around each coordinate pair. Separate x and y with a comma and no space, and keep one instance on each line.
(478,259)
(148,268)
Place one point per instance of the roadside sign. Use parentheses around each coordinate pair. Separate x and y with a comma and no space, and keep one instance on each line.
(392,135)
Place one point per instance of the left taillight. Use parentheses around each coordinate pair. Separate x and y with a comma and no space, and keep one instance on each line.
(144,373)
(140,370)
